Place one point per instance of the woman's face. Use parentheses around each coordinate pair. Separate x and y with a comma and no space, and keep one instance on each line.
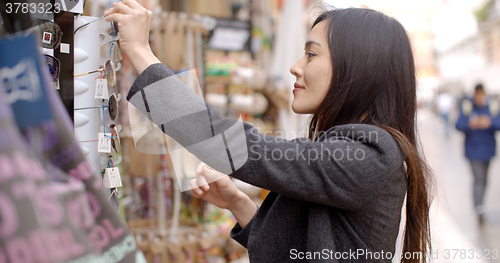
(313,72)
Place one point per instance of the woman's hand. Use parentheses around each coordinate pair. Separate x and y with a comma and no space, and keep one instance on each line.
(223,193)
(134,23)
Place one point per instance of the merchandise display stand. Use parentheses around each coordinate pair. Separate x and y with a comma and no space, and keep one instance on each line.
(87,56)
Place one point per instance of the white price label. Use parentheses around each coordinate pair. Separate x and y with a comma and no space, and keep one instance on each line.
(101,89)
(112,178)
(104,143)
(64,48)
(47,38)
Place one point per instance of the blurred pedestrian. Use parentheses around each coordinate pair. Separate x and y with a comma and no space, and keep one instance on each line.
(479,121)
(445,104)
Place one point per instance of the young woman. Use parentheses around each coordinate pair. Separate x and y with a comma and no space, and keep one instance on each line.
(336,195)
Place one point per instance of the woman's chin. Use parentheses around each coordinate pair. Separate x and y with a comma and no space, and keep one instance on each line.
(300,110)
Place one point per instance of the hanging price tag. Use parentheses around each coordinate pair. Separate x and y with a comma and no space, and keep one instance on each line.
(104,143)
(101,89)
(112,178)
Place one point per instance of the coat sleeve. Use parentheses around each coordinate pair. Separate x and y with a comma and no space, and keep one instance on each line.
(241,234)
(346,170)
(495,122)
(463,122)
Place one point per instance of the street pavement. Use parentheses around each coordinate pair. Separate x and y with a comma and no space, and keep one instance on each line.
(456,233)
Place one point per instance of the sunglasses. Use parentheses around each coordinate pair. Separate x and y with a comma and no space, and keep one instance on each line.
(109,72)
(114,49)
(49,31)
(114,25)
(54,66)
(116,54)
(115,137)
(112,106)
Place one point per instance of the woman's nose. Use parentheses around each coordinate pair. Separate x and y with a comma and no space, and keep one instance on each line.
(296,69)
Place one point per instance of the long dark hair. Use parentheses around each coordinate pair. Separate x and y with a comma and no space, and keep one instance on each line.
(373,82)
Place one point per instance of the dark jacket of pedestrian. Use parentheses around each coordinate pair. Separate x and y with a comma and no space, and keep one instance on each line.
(480,144)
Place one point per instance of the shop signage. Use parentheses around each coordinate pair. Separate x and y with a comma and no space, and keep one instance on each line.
(232,35)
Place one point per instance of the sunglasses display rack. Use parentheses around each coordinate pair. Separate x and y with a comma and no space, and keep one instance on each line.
(89,95)
(96,101)
(86,55)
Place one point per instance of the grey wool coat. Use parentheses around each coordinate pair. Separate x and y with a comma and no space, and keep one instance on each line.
(336,199)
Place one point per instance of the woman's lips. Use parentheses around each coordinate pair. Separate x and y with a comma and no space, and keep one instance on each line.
(297,87)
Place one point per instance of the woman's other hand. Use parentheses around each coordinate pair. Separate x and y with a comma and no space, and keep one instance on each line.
(218,189)
(134,23)
(221,191)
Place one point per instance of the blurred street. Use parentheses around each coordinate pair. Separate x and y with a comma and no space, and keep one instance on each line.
(453,220)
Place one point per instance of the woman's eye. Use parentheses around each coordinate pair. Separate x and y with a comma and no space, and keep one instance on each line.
(309,54)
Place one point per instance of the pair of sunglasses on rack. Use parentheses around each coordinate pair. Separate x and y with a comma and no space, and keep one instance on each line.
(115,139)
(51,35)
(114,50)
(112,106)
(114,25)
(109,72)
(49,32)
(54,66)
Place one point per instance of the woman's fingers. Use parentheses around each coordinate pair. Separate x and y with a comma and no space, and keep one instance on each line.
(206,175)
(195,187)
(133,4)
(210,174)
(119,7)
(192,193)
(114,17)
(199,168)
(202,182)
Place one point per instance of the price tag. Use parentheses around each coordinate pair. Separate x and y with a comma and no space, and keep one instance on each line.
(101,89)
(104,143)
(112,178)
(47,37)
(64,48)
